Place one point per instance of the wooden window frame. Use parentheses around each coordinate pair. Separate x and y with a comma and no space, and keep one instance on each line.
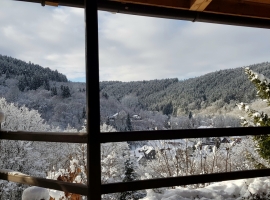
(94,189)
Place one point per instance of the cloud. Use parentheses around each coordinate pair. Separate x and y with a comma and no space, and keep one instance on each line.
(49,36)
(148,48)
(131,47)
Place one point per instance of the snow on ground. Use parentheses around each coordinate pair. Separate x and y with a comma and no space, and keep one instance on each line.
(35,193)
(226,190)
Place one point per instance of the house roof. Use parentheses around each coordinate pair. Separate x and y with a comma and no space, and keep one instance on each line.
(252,13)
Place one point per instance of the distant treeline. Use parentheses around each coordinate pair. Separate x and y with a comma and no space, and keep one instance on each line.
(30,76)
(173,96)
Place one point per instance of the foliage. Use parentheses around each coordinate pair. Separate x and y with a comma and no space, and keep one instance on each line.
(53,91)
(256,118)
(168,109)
(222,87)
(65,91)
(20,156)
(40,89)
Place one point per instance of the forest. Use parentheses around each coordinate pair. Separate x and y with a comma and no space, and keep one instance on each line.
(34,98)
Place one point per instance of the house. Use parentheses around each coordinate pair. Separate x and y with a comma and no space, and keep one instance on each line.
(145,153)
(136,117)
(236,139)
(225,140)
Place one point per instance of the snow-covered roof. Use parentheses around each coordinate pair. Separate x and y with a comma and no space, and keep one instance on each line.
(115,115)
(140,157)
(139,152)
(149,150)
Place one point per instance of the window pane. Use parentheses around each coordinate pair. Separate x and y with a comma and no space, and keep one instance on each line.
(42,89)
(159,74)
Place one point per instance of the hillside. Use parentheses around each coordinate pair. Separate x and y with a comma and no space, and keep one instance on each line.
(29,75)
(62,103)
(225,86)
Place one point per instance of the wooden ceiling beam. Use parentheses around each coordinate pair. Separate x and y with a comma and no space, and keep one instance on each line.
(177,4)
(259,1)
(199,5)
(244,8)
(50,3)
(239,8)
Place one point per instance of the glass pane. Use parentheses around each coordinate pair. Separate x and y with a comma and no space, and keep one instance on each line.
(42,89)
(159,74)
(42,66)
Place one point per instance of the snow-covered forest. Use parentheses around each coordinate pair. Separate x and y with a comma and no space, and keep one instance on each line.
(38,99)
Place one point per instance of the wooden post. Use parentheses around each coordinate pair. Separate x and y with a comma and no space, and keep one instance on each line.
(92,99)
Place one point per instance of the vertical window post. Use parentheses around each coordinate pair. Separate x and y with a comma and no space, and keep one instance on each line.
(92,99)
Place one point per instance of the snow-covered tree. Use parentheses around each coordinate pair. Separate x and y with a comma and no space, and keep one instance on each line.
(130,175)
(113,157)
(128,124)
(20,156)
(257,118)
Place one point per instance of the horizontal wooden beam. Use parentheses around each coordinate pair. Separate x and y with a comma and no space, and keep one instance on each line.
(218,11)
(134,185)
(259,1)
(50,3)
(225,7)
(181,134)
(184,180)
(239,8)
(45,183)
(71,3)
(134,135)
(44,136)
(199,5)
(177,4)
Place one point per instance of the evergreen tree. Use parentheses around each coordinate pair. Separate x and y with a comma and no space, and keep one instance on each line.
(262,85)
(22,84)
(130,175)
(128,124)
(190,115)
(65,91)
(84,113)
(7,74)
(46,84)
(168,109)
(53,91)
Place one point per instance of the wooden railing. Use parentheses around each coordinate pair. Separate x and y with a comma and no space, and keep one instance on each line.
(133,136)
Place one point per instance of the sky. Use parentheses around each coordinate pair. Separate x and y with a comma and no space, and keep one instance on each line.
(131,48)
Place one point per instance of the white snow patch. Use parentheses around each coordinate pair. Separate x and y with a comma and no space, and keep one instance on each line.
(11,172)
(55,194)
(35,193)
(226,190)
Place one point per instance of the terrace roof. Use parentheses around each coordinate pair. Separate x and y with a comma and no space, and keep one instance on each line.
(252,13)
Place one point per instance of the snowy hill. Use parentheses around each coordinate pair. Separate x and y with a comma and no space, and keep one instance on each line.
(62,103)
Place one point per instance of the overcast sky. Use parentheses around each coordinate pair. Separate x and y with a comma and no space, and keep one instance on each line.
(131,47)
